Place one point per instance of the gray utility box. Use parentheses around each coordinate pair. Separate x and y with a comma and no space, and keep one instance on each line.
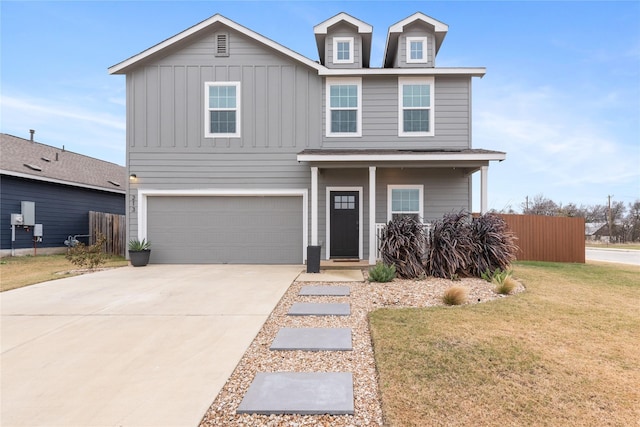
(16,219)
(28,213)
(37,230)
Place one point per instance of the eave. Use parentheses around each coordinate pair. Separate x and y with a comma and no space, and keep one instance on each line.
(315,156)
(443,71)
(60,181)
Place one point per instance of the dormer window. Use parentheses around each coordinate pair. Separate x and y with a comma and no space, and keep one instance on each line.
(416,49)
(343,50)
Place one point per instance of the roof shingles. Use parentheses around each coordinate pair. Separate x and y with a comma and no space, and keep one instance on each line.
(18,155)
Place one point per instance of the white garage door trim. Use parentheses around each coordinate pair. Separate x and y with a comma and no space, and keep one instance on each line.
(143,194)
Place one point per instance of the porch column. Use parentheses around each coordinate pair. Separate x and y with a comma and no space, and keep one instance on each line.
(314,206)
(484,205)
(372,215)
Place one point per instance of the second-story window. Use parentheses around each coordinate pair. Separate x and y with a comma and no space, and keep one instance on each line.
(343,50)
(416,49)
(344,109)
(222,109)
(415,100)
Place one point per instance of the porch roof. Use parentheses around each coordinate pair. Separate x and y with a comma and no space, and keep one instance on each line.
(410,155)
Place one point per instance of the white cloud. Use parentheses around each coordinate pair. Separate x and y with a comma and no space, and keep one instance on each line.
(77,124)
(556,145)
(39,108)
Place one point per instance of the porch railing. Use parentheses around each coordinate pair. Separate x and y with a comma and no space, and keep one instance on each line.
(380,226)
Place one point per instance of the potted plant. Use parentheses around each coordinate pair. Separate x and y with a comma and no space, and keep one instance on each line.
(139,251)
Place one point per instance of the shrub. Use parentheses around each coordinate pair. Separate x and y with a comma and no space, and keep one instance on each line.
(382,273)
(465,246)
(493,244)
(455,295)
(402,245)
(139,245)
(450,247)
(505,284)
(487,275)
(90,256)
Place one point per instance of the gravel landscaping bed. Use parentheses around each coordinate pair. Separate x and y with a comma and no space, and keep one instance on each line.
(364,298)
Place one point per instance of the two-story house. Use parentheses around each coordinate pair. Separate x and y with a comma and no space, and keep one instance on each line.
(244,151)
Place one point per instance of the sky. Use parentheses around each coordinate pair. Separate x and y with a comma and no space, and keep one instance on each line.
(561,95)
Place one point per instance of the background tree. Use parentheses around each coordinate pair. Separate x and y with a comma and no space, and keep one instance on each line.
(540,205)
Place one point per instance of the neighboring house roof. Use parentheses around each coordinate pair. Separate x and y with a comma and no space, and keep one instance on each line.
(32,160)
(363,29)
(440,29)
(134,61)
(124,66)
(591,228)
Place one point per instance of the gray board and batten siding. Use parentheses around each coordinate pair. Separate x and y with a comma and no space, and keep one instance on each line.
(282,114)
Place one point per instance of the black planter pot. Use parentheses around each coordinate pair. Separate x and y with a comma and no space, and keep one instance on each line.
(139,258)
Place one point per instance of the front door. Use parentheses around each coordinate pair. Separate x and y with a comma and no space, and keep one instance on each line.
(344,217)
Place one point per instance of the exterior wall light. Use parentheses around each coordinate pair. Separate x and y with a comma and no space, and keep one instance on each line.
(132,177)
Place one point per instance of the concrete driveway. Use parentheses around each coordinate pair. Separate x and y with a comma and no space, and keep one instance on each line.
(148,346)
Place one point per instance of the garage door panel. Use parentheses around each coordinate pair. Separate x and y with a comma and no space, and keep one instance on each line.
(221,229)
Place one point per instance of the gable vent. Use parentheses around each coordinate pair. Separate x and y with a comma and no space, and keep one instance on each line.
(222,44)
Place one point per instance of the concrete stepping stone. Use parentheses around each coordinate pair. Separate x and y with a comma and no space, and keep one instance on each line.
(332,291)
(319,309)
(313,339)
(304,393)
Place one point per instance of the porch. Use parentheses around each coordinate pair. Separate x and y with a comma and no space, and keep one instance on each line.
(396,171)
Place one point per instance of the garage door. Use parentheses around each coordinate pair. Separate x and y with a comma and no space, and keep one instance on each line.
(224,229)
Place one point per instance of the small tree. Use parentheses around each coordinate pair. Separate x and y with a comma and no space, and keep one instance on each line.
(90,256)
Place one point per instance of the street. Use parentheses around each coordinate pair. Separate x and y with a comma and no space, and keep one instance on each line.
(621,256)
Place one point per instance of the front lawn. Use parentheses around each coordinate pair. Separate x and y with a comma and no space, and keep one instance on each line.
(16,272)
(565,352)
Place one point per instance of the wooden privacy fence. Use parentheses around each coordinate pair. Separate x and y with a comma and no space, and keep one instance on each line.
(548,238)
(111,226)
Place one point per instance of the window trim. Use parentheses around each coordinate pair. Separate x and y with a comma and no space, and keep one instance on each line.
(343,81)
(337,40)
(424,58)
(418,187)
(208,109)
(412,81)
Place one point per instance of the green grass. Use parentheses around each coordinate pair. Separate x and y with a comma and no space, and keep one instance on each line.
(16,272)
(565,352)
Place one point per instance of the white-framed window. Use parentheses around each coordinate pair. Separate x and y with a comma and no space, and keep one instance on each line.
(405,200)
(343,50)
(415,102)
(221,109)
(416,50)
(343,107)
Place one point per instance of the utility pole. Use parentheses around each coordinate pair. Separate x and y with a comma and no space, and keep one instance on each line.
(610,218)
